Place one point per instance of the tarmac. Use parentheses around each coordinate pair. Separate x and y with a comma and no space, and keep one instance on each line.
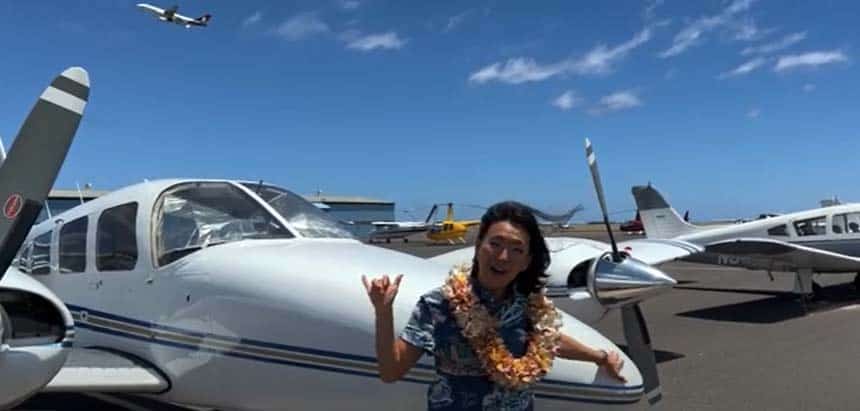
(725,339)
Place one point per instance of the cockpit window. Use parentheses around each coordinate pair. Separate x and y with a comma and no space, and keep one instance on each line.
(812,226)
(194,216)
(780,230)
(848,223)
(303,216)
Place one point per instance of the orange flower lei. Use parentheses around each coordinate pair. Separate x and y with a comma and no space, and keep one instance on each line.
(481,330)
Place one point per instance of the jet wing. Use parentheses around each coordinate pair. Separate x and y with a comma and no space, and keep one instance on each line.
(658,251)
(765,253)
(98,370)
(151,9)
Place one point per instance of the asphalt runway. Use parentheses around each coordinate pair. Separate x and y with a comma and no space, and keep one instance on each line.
(726,339)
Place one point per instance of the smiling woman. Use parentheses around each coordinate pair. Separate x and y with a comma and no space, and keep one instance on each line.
(490,327)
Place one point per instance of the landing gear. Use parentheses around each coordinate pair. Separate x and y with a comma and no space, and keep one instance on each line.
(805,288)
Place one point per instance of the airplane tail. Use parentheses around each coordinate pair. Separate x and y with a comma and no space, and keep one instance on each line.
(659,219)
(430,215)
(204,18)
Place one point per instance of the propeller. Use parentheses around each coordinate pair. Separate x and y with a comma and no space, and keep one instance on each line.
(635,327)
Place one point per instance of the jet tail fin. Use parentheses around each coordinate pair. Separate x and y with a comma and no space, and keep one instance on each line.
(204,18)
(659,219)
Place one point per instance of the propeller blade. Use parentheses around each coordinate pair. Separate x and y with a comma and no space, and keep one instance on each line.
(36,155)
(640,351)
(598,187)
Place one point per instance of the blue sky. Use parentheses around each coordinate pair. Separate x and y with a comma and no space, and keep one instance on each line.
(731,108)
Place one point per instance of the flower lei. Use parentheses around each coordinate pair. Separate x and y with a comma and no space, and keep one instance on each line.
(481,330)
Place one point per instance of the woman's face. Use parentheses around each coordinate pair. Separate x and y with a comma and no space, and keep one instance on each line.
(502,254)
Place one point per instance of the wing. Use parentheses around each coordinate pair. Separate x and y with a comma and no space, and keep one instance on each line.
(98,370)
(659,251)
(764,253)
(151,9)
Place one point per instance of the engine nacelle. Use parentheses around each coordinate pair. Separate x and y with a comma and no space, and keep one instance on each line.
(37,335)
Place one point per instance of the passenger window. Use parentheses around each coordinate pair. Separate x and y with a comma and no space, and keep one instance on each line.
(73,246)
(780,230)
(812,226)
(848,223)
(40,257)
(22,260)
(116,241)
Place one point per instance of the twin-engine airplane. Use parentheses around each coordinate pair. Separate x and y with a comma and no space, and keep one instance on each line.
(245,296)
(821,240)
(171,16)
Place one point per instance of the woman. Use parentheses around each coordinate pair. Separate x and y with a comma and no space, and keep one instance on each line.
(490,328)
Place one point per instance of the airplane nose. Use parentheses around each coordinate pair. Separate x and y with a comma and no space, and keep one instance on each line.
(617,284)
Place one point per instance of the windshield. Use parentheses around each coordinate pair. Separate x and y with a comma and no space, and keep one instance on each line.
(196,215)
(302,216)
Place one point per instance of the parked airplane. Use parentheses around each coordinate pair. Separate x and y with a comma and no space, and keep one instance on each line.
(633,226)
(170,15)
(451,230)
(817,241)
(36,329)
(223,294)
(387,230)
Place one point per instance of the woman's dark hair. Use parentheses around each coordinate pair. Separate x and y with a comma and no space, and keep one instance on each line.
(534,277)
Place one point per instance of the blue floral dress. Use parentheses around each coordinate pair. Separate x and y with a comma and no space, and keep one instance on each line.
(463,384)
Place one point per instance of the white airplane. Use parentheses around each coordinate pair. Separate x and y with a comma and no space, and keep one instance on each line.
(170,15)
(388,230)
(243,296)
(817,241)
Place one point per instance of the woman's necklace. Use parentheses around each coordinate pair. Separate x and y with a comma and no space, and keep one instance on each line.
(481,330)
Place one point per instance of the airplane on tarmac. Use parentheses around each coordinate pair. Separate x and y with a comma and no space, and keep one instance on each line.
(388,230)
(816,241)
(224,294)
(171,16)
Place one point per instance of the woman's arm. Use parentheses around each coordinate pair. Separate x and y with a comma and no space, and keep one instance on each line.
(575,350)
(395,358)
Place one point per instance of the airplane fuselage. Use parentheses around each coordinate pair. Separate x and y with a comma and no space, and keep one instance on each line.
(252,323)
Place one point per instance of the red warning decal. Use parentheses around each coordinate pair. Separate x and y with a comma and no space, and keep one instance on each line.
(13,206)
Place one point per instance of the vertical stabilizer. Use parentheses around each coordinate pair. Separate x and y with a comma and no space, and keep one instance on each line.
(659,219)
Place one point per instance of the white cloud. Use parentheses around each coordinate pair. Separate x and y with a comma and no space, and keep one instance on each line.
(783,43)
(808,87)
(620,100)
(349,4)
(301,26)
(650,9)
(252,19)
(811,59)
(567,100)
(598,60)
(754,113)
(747,30)
(745,68)
(385,41)
(455,21)
(693,32)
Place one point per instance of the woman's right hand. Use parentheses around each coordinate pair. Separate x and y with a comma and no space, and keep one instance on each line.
(382,290)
